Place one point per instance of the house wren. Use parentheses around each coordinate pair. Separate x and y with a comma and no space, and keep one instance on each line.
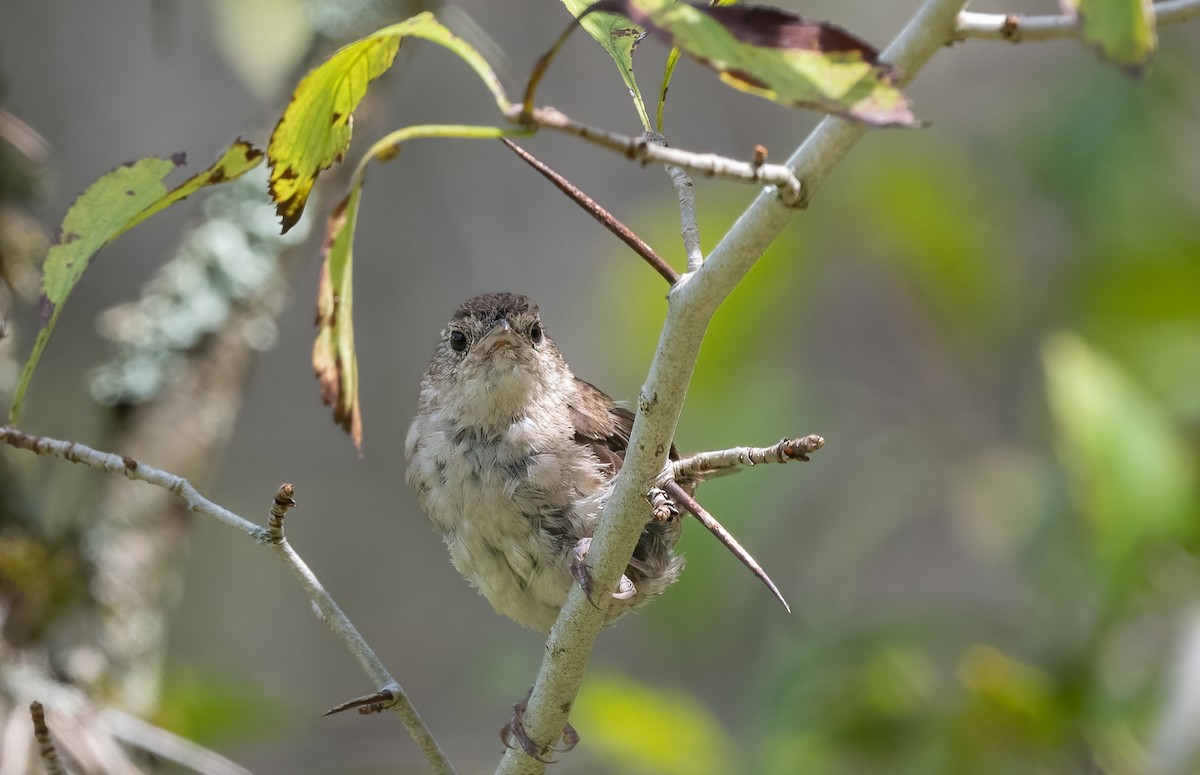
(513,457)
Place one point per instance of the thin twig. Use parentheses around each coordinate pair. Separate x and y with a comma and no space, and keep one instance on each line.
(699,464)
(724,536)
(1017,28)
(594,209)
(340,624)
(41,733)
(640,149)
(331,614)
(689,224)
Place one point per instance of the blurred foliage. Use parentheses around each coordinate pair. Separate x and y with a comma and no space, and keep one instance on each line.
(209,707)
(1034,427)
(636,729)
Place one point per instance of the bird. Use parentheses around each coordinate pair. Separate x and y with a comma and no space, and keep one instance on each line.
(513,458)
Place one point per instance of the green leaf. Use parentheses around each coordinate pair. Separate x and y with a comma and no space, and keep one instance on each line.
(780,56)
(314,131)
(333,353)
(1131,474)
(669,71)
(619,38)
(1122,31)
(637,729)
(109,207)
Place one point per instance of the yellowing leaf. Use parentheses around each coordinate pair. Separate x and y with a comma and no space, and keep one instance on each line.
(669,71)
(333,353)
(314,131)
(109,207)
(619,38)
(780,56)
(1122,31)
(334,358)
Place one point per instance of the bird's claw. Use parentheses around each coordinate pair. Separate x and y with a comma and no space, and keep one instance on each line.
(579,569)
(662,508)
(515,730)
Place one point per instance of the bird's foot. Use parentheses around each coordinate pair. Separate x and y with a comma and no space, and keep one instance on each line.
(662,508)
(579,569)
(515,730)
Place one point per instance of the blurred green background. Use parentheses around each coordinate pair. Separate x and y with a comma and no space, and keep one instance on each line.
(994,322)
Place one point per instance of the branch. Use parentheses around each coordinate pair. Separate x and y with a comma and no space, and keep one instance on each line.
(685,192)
(697,465)
(642,150)
(692,303)
(41,733)
(593,208)
(273,536)
(1016,28)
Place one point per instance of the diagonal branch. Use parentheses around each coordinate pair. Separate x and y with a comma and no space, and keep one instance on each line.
(273,536)
(692,303)
(1017,28)
(593,208)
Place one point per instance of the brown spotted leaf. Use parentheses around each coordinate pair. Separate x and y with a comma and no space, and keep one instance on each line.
(334,359)
(780,56)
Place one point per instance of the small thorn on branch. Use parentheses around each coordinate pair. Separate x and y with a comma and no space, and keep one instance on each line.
(724,536)
(371,703)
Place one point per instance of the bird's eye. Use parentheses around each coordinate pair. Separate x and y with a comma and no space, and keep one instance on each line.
(458,341)
(535,333)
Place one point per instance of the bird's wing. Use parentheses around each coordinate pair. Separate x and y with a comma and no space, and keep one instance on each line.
(601,425)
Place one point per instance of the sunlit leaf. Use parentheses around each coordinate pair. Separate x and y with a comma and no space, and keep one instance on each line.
(314,131)
(1122,31)
(109,207)
(1132,476)
(780,56)
(619,38)
(638,729)
(333,353)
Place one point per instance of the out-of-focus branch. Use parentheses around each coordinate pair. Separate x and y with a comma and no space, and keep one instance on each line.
(1017,28)
(45,743)
(273,536)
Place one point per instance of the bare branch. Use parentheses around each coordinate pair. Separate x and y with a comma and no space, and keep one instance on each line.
(725,460)
(593,208)
(41,733)
(724,536)
(692,303)
(689,227)
(642,150)
(1016,28)
(168,745)
(273,536)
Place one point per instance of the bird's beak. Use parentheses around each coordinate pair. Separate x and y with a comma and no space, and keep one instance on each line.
(501,335)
